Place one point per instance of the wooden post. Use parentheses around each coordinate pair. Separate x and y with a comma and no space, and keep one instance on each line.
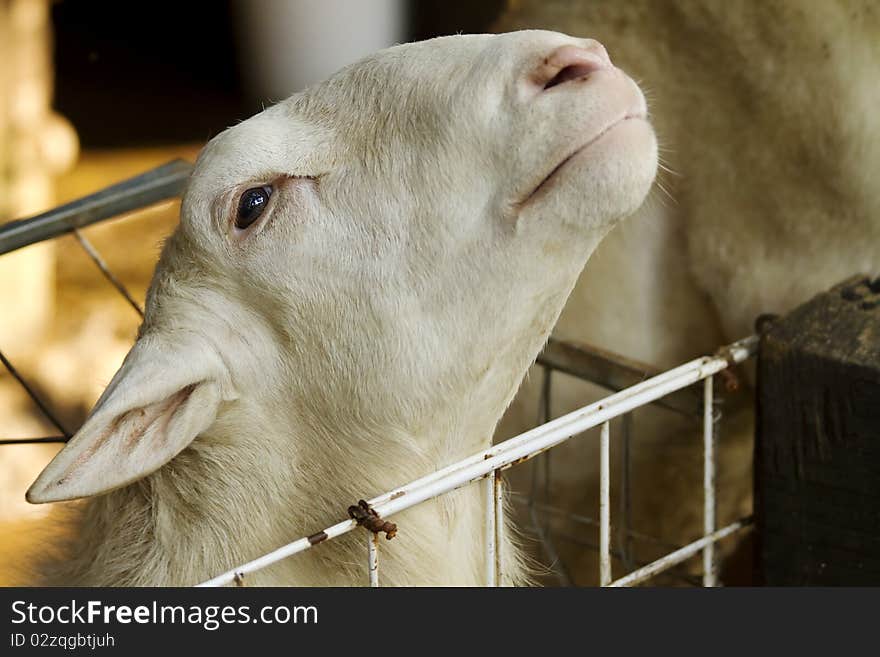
(817,448)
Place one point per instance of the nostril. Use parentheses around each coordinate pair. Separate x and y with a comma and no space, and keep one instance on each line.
(569,63)
(571,72)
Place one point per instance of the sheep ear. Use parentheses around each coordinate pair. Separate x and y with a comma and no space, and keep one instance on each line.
(157,403)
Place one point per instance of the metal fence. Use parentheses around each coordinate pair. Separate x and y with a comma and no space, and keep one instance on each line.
(633,390)
(486,467)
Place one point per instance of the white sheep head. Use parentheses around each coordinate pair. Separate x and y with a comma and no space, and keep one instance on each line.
(413,227)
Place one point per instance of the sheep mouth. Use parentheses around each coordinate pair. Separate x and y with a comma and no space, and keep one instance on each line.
(545,183)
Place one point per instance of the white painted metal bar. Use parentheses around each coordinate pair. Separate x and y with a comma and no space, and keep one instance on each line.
(489,496)
(605,505)
(295,547)
(160,184)
(517,449)
(709,576)
(373,557)
(624,537)
(607,409)
(682,554)
(498,486)
(737,353)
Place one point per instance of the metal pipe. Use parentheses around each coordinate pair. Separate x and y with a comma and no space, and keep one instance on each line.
(300,545)
(605,505)
(33,441)
(159,184)
(709,577)
(534,442)
(36,399)
(518,449)
(673,572)
(498,488)
(682,554)
(373,558)
(92,252)
(489,496)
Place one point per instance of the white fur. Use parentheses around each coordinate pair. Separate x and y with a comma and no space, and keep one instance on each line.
(370,328)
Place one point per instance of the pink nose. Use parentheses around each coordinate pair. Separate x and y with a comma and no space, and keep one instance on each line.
(568,63)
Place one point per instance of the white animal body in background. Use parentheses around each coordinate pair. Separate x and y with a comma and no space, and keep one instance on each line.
(766,112)
(361,276)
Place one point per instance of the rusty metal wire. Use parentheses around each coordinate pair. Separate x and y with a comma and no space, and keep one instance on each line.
(95,256)
(36,399)
(92,252)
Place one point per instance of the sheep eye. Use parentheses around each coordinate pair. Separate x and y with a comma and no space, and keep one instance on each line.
(251,205)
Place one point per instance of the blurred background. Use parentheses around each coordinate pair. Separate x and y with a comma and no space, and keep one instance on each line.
(170,72)
(95,92)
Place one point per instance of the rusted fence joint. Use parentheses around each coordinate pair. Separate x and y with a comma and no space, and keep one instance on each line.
(729,378)
(367,517)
